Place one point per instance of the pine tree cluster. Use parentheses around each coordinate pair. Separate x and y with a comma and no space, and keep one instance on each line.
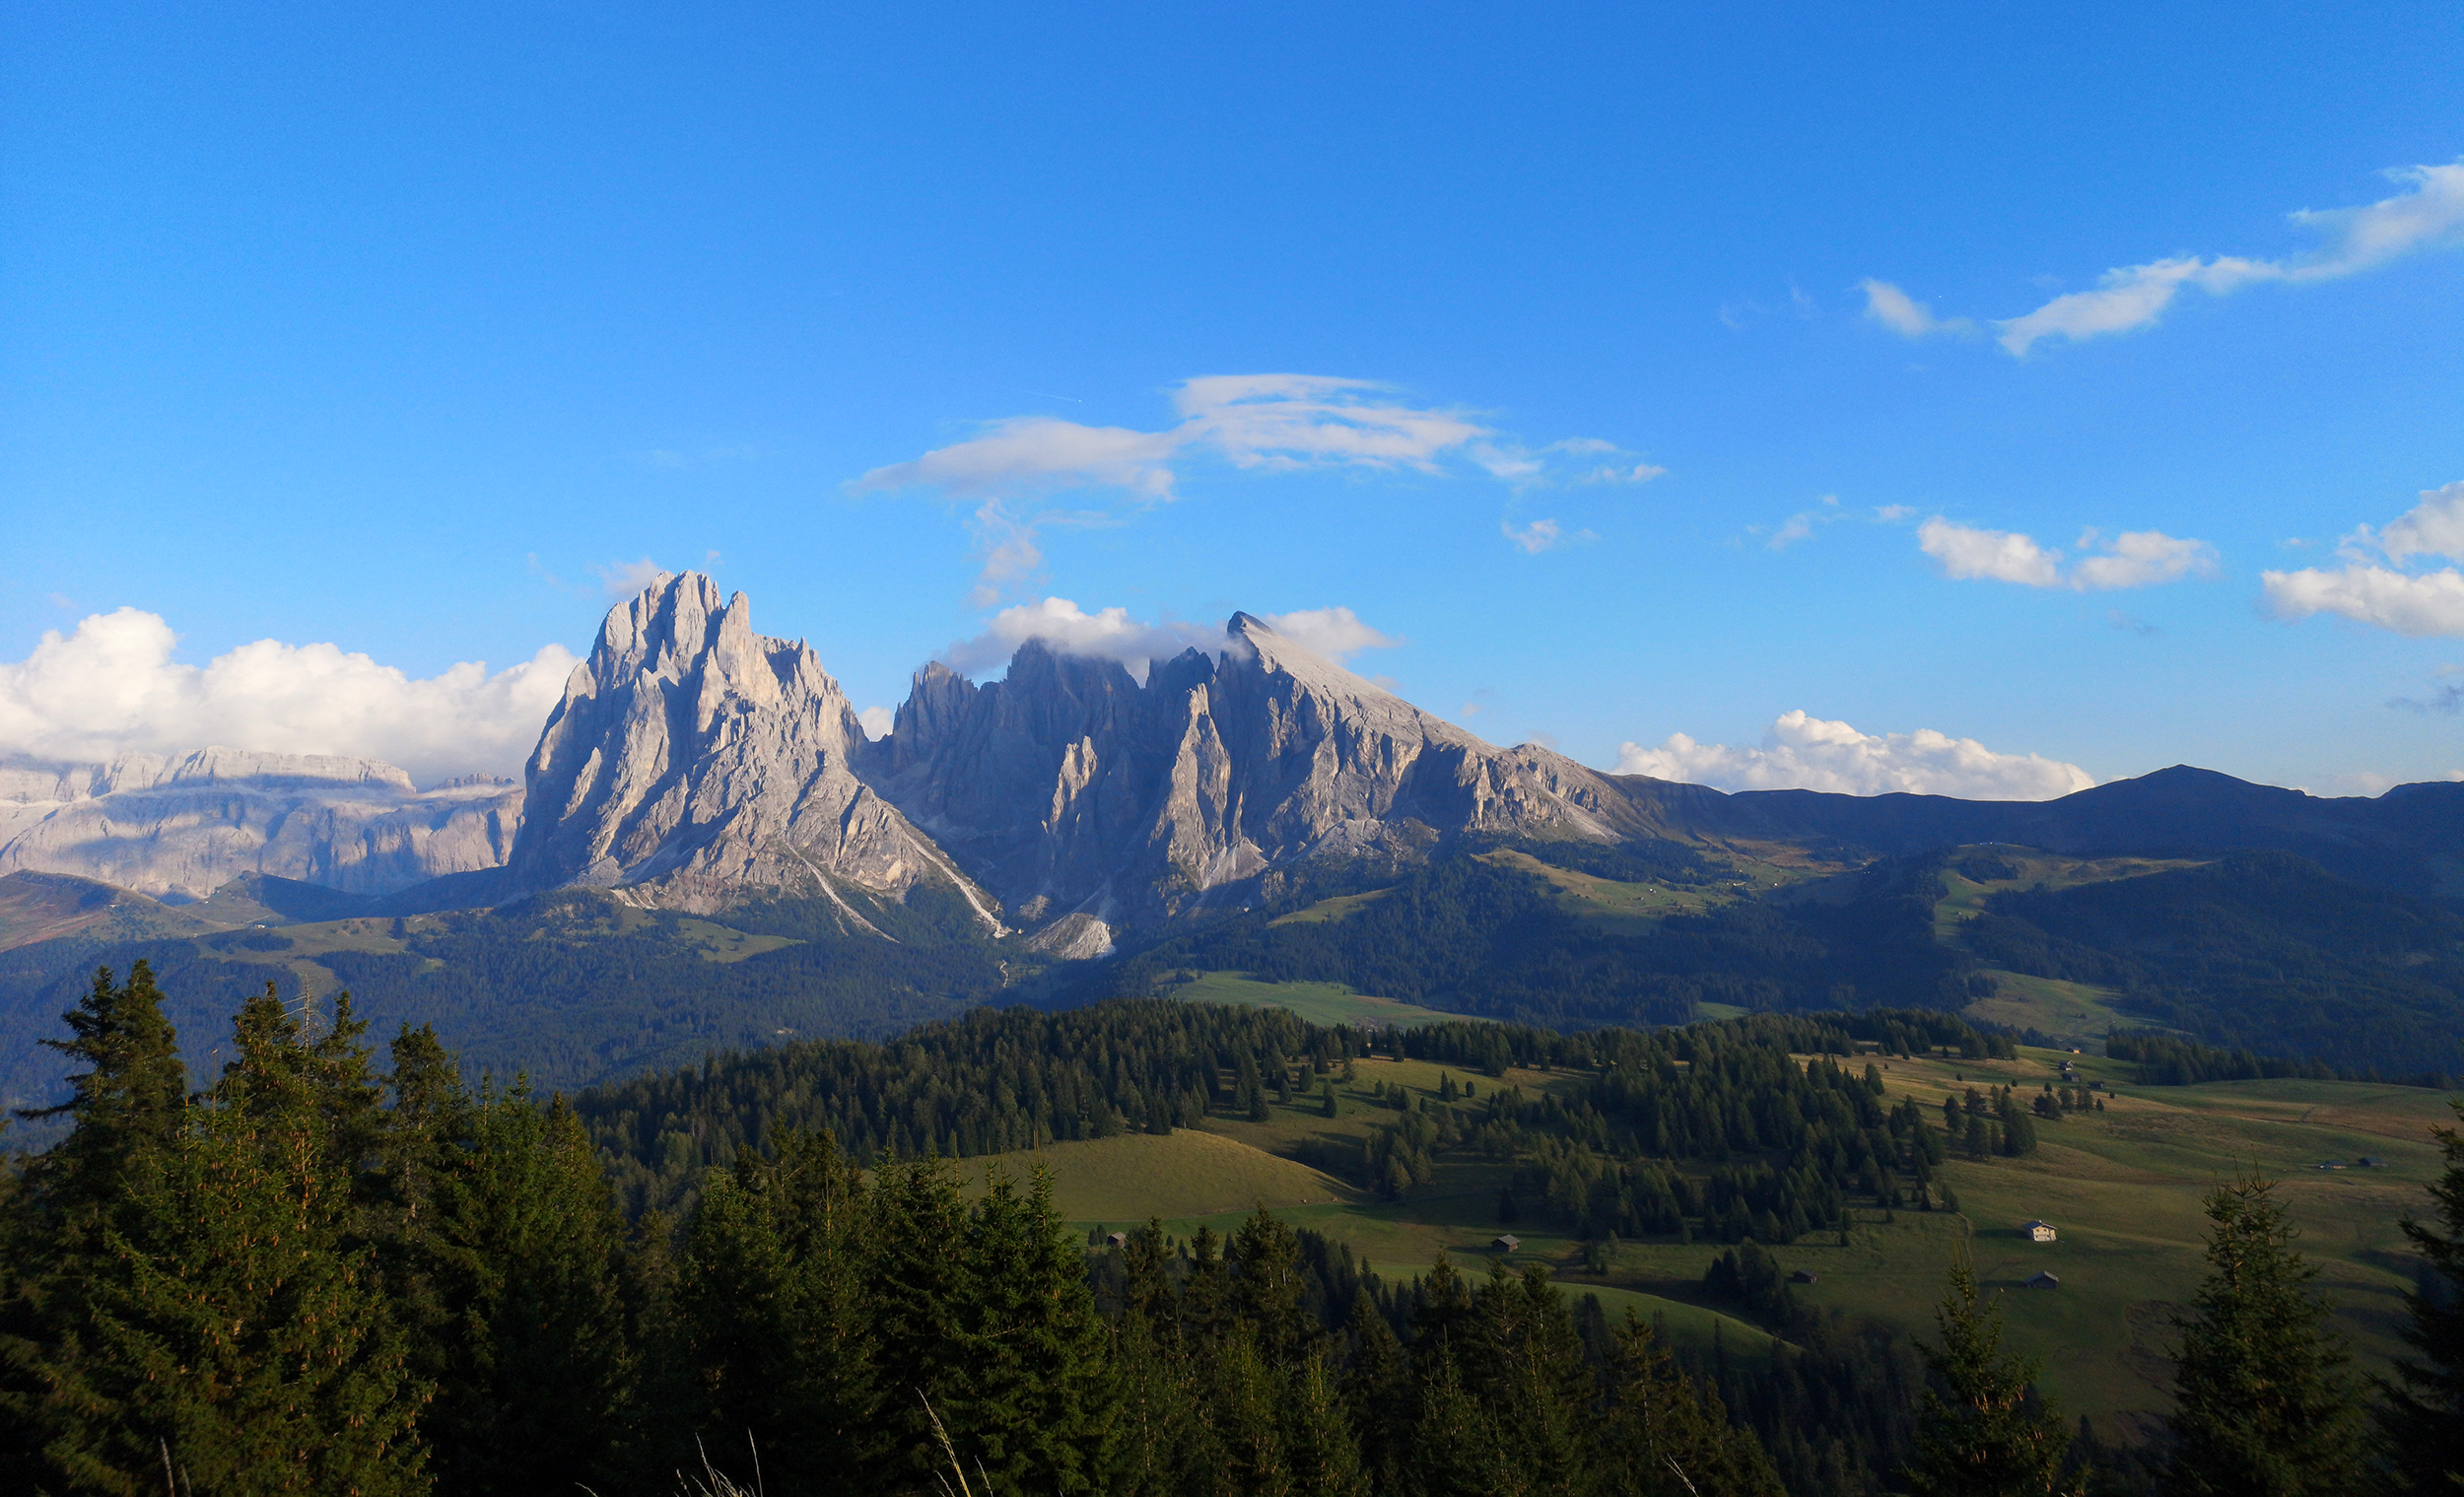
(318,1276)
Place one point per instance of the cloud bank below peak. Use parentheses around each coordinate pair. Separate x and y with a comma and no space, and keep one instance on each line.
(1807,753)
(112,687)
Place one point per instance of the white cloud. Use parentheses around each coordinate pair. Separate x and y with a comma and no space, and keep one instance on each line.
(1801,752)
(876,722)
(2428,215)
(1110,633)
(623,580)
(2433,527)
(1273,421)
(1891,514)
(2142,559)
(1799,526)
(1334,633)
(2418,604)
(1276,423)
(1896,309)
(112,687)
(2004,556)
(1538,536)
(2133,559)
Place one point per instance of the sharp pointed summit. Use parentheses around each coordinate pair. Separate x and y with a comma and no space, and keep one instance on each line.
(693,760)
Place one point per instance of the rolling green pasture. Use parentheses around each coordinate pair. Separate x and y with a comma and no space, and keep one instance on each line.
(2123,1188)
(1190,1174)
(1326,1004)
(1626,907)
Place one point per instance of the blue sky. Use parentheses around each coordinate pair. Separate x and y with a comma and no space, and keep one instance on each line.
(411,334)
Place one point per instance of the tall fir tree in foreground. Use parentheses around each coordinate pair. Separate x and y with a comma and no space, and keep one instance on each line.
(1979,1433)
(2423,1415)
(238,1327)
(127,1110)
(2266,1406)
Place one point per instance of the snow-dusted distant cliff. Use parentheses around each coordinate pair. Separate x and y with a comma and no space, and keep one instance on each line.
(180,828)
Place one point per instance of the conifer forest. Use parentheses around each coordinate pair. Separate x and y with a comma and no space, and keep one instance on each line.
(341,1267)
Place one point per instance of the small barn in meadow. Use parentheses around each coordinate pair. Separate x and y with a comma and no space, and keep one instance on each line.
(2036,1230)
(1505,1242)
(1802,1277)
(2043,1281)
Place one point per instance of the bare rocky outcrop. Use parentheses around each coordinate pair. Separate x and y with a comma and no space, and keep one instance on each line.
(181,827)
(693,762)
(1086,799)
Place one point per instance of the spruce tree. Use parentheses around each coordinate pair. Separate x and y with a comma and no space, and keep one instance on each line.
(1376,1385)
(126,1110)
(1524,1362)
(1664,1437)
(244,1330)
(914,1273)
(1266,1290)
(538,1369)
(2422,1417)
(768,1317)
(1978,1434)
(2265,1404)
(1321,1448)
(1454,1449)
(1030,1388)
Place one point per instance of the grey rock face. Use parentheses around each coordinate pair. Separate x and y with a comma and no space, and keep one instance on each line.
(693,761)
(1071,790)
(184,827)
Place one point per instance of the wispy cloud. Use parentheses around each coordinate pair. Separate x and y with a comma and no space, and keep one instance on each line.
(622,580)
(2429,214)
(1803,752)
(2446,693)
(1909,318)
(1543,535)
(2132,558)
(1269,422)
(2381,584)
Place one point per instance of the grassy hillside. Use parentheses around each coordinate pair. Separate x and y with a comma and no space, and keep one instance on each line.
(1318,1002)
(2123,1188)
(1186,1175)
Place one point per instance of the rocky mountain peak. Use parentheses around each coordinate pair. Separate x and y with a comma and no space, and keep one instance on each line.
(695,761)
(1085,798)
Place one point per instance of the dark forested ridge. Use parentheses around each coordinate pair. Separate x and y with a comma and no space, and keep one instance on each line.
(568,988)
(2260,951)
(1476,936)
(1713,1131)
